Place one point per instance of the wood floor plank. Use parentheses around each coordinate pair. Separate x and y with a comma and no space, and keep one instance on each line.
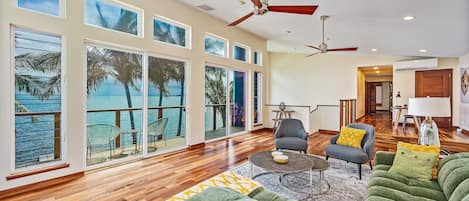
(160,177)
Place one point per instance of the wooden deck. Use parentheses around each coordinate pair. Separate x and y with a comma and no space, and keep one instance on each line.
(161,177)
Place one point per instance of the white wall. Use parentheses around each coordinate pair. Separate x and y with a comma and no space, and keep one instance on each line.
(75,32)
(321,79)
(404,82)
(463,108)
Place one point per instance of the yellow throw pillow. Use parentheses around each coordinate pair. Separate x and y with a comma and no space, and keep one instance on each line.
(351,137)
(425,149)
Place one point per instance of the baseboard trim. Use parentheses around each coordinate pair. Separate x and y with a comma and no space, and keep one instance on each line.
(261,130)
(329,132)
(40,185)
(196,146)
(465,132)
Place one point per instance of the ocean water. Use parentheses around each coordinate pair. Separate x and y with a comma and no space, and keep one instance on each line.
(35,135)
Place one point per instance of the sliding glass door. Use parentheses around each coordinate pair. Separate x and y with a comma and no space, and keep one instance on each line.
(166,104)
(115,101)
(215,102)
(237,102)
(225,102)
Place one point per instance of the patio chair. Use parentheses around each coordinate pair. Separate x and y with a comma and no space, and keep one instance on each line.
(100,135)
(156,129)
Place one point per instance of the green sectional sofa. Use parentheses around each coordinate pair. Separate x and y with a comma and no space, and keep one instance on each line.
(452,183)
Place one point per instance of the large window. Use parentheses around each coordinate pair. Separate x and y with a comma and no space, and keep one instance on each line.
(257,99)
(115,101)
(50,7)
(216,45)
(170,32)
(110,15)
(241,53)
(38,89)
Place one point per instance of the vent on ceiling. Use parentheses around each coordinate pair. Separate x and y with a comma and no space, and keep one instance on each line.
(205,7)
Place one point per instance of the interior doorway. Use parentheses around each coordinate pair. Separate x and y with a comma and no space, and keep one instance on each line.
(378,97)
(374,90)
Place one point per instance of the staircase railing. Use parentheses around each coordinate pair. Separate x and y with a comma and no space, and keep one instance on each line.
(348,111)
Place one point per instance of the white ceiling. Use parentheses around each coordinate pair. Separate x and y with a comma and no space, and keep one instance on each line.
(441,26)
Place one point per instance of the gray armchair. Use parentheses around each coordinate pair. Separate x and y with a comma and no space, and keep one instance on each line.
(351,154)
(291,135)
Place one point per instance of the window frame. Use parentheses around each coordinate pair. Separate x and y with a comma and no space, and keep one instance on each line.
(63,107)
(61,14)
(114,47)
(248,52)
(187,28)
(259,60)
(226,46)
(140,17)
(259,97)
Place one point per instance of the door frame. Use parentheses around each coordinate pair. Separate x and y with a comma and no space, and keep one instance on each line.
(146,82)
(229,69)
(367,93)
(450,86)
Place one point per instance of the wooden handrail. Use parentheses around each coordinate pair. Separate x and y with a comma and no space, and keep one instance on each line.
(348,111)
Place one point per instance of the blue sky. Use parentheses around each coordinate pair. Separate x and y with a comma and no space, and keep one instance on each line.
(45,6)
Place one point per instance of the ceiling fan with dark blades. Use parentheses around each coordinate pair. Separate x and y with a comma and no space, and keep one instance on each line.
(322,48)
(262,7)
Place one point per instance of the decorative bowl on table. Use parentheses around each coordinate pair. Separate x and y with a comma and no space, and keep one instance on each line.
(282,159)
(276,153)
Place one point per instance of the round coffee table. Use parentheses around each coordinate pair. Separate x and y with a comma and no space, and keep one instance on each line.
(297,163)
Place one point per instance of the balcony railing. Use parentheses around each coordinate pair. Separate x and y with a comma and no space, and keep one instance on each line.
(118,114)
(56,139)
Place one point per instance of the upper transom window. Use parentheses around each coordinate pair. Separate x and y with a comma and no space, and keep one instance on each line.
(215,45)
(114,16)
(171,32)
(241,53)
(50,7)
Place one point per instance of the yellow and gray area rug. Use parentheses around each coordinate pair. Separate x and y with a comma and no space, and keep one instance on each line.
(342,177)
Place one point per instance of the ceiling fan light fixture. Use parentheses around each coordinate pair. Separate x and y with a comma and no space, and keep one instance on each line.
(408,18)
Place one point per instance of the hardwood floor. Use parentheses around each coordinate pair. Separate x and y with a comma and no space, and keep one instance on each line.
(160,177)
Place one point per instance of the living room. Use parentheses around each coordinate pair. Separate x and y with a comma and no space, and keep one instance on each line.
(187,100)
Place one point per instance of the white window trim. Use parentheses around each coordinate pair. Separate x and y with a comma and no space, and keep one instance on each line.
(63,112)
(140,17)
(259,60)
(248,52)
(227,50)
(61,6)
(188,36)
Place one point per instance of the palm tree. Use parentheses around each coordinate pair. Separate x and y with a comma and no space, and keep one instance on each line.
(48,62)
(43,89)
(126,66)
(215,90)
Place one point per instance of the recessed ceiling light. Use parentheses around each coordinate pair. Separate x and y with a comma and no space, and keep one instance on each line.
(377,71)
(288,31)
(374,50)
(408,18)
(423,50)
(376,68)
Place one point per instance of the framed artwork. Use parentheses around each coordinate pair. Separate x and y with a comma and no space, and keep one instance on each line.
(465,85)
